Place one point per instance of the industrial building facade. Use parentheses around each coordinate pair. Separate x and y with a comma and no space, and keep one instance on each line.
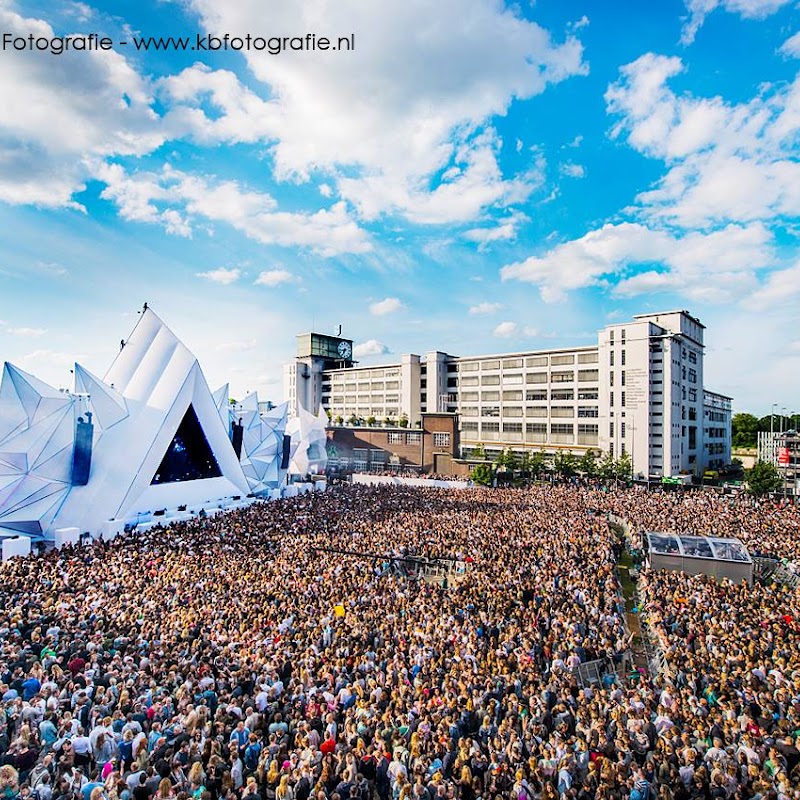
(638,391)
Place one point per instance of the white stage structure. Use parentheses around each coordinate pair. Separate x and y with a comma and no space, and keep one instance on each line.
(147,438)
(309,455)
(264,457)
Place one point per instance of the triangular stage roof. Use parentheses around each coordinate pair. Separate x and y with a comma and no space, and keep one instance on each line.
(148,436)
(158,379)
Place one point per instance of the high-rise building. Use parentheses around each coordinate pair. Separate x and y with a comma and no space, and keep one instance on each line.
(638,391)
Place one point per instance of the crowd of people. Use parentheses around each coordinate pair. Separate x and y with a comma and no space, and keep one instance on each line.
(269,653)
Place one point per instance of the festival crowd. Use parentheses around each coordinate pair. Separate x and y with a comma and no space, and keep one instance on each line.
(274,653)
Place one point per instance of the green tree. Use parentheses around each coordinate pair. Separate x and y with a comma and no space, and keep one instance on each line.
(623,467)
(371,421)
(607,466)
(588,463)
(744,430)
(403,422)
(386,422)
(482,474)
(565,463)
(776,423)
(538,463)
(479,451)
(525,462)
(352,420)
(763,478)
(339,419)
(506,459)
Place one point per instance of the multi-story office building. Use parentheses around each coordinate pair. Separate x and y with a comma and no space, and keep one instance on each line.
(638,391)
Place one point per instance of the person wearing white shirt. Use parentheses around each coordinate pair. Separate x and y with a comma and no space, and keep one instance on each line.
(82,748)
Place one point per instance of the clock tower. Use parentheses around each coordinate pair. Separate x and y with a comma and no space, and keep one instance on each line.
(316,352)
(333,350)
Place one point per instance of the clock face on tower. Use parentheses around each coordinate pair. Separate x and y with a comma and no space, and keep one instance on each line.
(345,351)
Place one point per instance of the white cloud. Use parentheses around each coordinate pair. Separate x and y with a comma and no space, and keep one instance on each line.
(791,47)
(485,308)
(50,268)
(81,11)
(405,113)
(241,115)
(685,263)
(54,362)
(504,230)
(472,183)
(387,306)
(61,113)
(222,275)
(143,196)
(275,277)
(372,347)
(749,9)
(506,330)
(726,163)
(781,288)
(572,170)
(26,332)
(531,332)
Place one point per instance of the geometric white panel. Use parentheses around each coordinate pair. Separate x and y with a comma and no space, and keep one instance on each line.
(16,546)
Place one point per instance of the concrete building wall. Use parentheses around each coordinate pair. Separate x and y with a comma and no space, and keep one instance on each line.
(409,387)
(434,396)
(541,398)
(626,393)
(638,391)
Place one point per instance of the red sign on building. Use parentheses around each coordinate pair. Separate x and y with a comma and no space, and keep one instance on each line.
(783,456)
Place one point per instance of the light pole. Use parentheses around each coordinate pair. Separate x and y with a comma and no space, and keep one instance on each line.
(772,449)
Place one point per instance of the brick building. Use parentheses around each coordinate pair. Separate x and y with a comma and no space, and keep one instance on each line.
(429,448)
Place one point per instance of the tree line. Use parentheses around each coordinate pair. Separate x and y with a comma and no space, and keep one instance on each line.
(533,464)
(746,427)
(762,479)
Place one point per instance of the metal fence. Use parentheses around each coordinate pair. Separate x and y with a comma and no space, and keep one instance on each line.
(772,569)
(593,672)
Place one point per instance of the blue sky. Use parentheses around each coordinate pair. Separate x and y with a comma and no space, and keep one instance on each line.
(475,177)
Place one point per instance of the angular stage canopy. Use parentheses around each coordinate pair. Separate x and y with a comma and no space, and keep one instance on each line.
(309,455)
(262,445)
(148,436)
